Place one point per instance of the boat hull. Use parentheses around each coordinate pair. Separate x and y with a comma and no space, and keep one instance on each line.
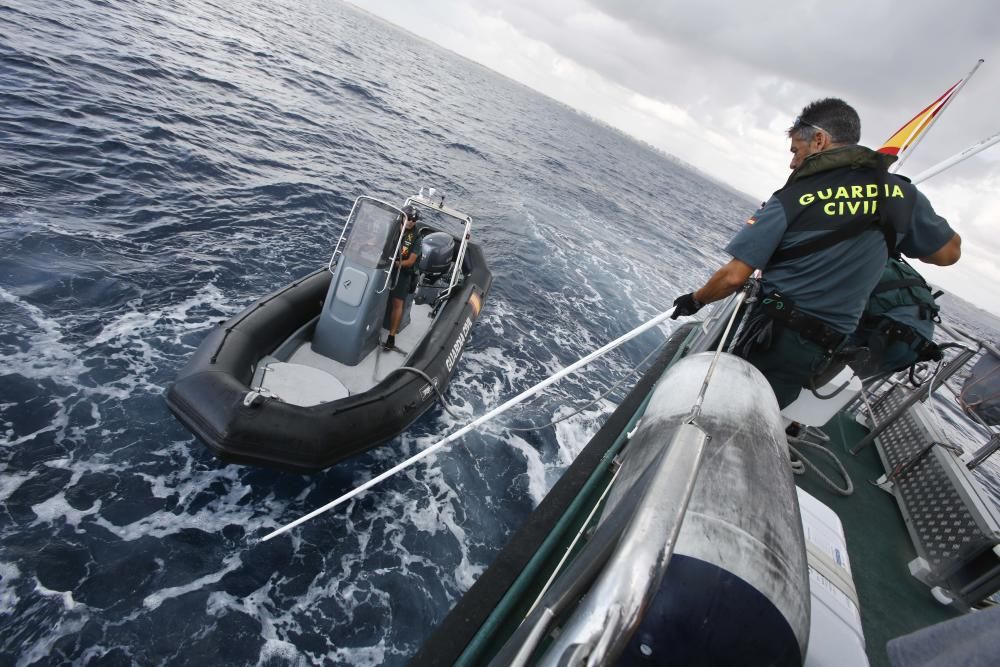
(211,396)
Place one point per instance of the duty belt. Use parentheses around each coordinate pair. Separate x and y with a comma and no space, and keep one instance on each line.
(781,309)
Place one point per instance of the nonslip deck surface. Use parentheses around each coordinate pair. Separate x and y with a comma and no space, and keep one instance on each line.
(893,603)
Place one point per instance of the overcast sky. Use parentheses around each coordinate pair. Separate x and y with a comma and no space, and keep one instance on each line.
(717,83)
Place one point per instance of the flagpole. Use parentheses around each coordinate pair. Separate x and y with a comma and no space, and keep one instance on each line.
(921,130)
(955,159)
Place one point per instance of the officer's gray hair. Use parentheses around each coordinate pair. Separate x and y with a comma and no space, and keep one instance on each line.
(831,115)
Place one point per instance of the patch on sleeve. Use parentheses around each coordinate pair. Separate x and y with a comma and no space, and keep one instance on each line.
(752,219)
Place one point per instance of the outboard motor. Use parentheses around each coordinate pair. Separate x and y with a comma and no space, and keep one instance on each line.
(437,251)
(351,320)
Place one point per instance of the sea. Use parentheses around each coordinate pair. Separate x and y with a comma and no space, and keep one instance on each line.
(163,165)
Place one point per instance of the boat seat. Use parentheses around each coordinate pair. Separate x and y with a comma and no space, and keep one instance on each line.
(302,385)
(811,413)
(810,410)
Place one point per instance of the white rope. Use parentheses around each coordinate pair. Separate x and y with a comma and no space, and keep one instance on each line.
(473,424)
(635,369)
(800,462)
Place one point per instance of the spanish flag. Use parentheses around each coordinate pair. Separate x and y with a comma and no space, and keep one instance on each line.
(906,135)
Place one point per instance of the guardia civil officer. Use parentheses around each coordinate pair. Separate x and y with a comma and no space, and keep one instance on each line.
(822,241)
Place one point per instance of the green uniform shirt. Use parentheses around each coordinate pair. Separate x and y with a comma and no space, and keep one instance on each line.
(830,189)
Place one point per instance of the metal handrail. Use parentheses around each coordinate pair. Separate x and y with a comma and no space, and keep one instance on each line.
(425,202)
(392,261)
(349,224)
(959,333)
(950,367)
(439,206)
(984,452)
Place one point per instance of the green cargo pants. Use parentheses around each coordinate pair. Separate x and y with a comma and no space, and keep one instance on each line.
(789,363)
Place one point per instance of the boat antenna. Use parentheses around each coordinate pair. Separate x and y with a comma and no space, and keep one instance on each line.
(955,159)
(528,393)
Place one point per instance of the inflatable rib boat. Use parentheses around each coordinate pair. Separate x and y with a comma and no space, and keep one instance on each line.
(301,379)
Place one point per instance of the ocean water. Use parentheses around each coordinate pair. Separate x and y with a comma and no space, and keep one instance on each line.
(162,165)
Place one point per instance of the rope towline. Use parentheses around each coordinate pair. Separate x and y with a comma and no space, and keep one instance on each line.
(581,408)
(473,424)
(744,291)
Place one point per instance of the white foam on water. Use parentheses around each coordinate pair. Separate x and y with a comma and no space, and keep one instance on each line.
(41,222)
(9,574)
(46,355)
(136,325)
(366,656)
(65,598)
(190,484)
(537,485)
(54,426)
(7,431)
(574,433)
(467,573)
(165,485)
(275,619)
(277,649)
(230,563)
(440,512)
(123,346)
(11,482)
(95,655)
(128,339)
(56,507)
(40,650)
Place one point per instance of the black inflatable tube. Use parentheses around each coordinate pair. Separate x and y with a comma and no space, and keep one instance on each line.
(208,395)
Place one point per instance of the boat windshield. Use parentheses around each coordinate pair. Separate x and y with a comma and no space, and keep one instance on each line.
(373,229)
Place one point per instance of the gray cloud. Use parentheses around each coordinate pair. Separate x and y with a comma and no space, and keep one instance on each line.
(888,59)
(741,72)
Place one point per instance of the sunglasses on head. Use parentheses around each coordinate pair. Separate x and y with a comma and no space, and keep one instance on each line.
(799,123)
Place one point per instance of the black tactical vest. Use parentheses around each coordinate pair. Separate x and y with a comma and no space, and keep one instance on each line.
(843,192)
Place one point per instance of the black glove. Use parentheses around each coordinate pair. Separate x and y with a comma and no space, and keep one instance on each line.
(686,305)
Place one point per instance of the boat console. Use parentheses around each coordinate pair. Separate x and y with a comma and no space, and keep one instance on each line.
(349,325)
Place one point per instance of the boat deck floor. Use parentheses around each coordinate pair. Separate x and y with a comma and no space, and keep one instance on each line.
(893,603)
(379,363)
